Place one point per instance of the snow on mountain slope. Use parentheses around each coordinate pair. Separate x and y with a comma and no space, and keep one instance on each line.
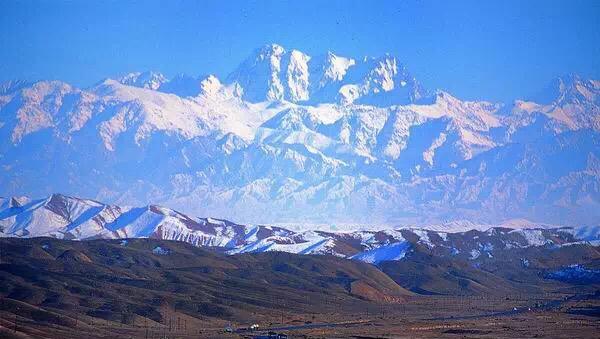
(586,233)
(40,105)
(352,140)
(56,216)
(67,217)
(328,70)
(392,252)
(115,109)
(273,73)
(302,243)
(149,111)
(570,103)
(259,75)
(149,80)
(382,82)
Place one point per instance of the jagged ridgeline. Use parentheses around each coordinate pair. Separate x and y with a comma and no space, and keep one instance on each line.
(323,139)
(64,217)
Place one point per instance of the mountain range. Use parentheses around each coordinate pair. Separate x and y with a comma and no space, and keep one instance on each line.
(288,138)
(70,218)
(143,271)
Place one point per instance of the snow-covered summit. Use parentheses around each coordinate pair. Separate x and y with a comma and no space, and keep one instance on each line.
(381,81)
(570,102)
(273,73)
(149,79)
(322,139)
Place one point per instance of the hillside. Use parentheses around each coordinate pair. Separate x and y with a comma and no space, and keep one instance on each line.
(66,217)
(149,287)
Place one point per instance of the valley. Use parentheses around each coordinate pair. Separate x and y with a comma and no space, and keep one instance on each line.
(150,288)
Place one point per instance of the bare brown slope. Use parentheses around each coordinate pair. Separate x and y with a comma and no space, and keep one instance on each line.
(145,278)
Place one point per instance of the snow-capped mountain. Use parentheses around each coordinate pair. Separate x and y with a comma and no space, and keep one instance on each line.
(65,217)
(273,73)
(569,103)
(149,80)
(293,138)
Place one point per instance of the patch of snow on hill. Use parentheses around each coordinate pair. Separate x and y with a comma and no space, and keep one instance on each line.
(395,251)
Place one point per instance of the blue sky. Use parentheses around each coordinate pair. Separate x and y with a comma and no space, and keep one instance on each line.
(493,50)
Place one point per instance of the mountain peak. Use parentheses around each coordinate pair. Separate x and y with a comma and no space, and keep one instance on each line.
(575,88)
(274,74)
(337,66)
(148,79)
(570,88)
(14,202)
(210,85)
(381,81)
(78,218)
(270,50)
